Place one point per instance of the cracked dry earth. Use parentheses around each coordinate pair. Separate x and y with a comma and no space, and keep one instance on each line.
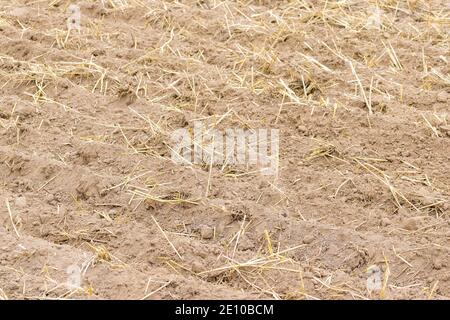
(87,180)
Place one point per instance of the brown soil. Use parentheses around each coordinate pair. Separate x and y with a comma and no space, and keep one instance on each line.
(87,179)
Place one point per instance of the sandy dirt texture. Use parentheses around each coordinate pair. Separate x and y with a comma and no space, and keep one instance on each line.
(87,181)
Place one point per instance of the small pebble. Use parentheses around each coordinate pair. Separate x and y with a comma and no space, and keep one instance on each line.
(197,267)
(302,129)
(385,222)
(411,224)
(438,264)
(443,96)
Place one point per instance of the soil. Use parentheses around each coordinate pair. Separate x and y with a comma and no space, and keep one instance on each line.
(86,175)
